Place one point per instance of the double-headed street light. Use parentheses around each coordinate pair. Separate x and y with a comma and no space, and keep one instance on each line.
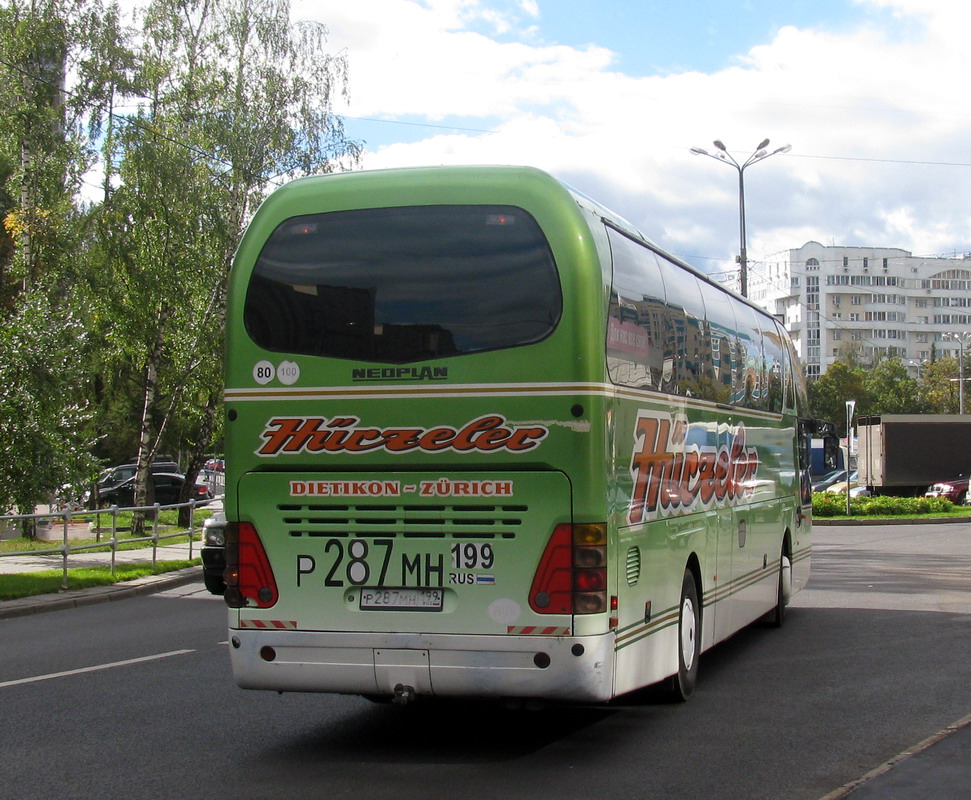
(918,365)
(962,339)
(761,153)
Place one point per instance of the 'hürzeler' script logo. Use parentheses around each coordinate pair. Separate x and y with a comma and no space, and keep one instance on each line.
(344,435)
(670,474)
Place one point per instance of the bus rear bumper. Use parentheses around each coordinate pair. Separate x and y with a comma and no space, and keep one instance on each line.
(570,669)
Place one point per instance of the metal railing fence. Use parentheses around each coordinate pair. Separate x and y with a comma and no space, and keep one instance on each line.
(214,479)
(69,517)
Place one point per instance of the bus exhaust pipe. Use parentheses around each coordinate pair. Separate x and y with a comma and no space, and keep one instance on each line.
(403,695)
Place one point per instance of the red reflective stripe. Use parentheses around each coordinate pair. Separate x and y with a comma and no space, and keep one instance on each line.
(535,630)
(266,624)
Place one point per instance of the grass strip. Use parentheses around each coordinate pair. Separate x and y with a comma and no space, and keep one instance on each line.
(28,584)
(958,513)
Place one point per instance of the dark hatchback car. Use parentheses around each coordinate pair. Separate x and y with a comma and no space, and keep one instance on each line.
(121,473)
(167,489)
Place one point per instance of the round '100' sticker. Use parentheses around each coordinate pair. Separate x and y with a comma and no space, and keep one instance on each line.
(263,372)
(288,372)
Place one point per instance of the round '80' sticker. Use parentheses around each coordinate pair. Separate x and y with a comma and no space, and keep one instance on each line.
(263,372)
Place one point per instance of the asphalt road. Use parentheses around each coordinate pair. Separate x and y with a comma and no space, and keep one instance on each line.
(135,698)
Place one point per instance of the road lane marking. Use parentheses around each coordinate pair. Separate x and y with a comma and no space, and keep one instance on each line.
(96,668)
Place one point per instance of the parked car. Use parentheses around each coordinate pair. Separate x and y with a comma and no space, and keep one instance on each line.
(955,490)
(122,472)
(840,487)
(214,553)
(829,479)
(167,487)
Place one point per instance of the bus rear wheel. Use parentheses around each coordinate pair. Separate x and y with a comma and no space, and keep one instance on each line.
(777,616)
(682,684)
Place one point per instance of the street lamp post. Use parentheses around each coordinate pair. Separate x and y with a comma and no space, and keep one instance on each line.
(760,154)
(962,339)
(850,406)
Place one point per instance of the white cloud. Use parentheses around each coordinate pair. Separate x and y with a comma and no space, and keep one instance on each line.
(410,59)
(857,106)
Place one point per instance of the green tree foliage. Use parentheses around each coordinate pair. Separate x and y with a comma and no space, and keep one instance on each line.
(828,394)
(43,436)
(238,96)
(939,388)
(160,253)
(9,285)
(44,153)
(884,388)
(43,137)
(890,390)
(230,98)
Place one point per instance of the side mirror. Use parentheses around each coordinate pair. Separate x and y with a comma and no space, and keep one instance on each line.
(831,451)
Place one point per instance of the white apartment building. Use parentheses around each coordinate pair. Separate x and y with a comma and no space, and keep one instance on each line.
(877,301)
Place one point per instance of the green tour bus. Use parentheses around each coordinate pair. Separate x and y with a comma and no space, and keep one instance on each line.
(485,439)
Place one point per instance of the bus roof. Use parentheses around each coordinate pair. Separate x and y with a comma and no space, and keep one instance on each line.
(427,178)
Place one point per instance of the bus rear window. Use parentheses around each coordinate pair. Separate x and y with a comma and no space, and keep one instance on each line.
(398,285)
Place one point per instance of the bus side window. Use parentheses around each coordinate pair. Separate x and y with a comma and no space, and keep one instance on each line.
(637,320)
(750,380)
(800,399)
(720,318)
(788,367)
(687,336)
(775,364)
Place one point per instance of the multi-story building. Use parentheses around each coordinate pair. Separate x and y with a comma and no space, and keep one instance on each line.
(874,301)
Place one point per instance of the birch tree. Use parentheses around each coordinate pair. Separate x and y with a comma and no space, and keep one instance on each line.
(237,99)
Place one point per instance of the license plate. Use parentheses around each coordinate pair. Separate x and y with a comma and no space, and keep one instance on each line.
(402,599)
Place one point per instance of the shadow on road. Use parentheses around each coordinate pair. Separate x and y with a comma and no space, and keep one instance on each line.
(438,732)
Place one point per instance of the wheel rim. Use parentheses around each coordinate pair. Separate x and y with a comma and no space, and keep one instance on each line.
(688,632)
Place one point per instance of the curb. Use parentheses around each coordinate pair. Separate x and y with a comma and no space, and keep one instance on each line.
(887,766)
(889,521)
(38,604)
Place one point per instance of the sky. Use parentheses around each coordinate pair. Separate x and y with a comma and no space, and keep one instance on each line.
(610,96)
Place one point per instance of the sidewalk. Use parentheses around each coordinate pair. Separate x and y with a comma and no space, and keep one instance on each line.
(85,559)
(939,768)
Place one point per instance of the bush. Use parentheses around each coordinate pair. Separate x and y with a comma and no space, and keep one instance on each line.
(830,504)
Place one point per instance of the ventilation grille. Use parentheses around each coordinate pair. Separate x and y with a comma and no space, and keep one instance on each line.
(633,565)
(407,521)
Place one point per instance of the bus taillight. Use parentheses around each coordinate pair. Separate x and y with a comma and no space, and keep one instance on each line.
(572,574)
(589,569)
(248,575)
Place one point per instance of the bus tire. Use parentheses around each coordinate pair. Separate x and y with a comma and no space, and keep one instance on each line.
(777,616)
(682,684)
